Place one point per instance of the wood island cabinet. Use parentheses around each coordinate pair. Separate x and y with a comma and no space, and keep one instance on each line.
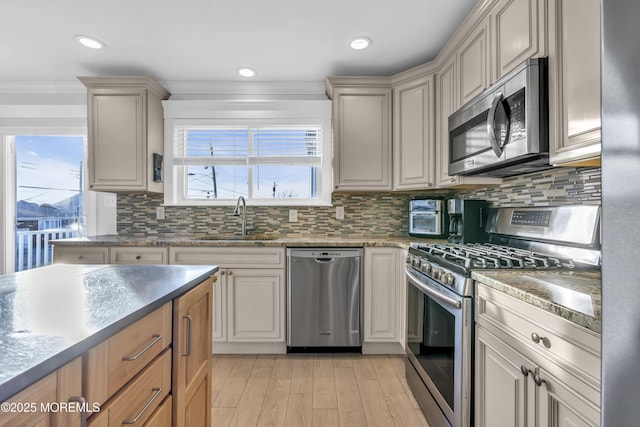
(125,121)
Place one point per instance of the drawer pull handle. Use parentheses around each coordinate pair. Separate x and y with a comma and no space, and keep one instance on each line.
(540,340)
(83,414)
(538,380)
(189,335)
(156,338)
(525,371)
(157,391)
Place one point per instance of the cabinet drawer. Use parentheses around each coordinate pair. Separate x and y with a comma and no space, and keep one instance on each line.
(109,365)
(139,255)
(571,346)
(228,257)
(80,255)
(136,402)
(162,416)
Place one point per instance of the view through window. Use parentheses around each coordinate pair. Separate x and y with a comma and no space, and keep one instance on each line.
(49,195)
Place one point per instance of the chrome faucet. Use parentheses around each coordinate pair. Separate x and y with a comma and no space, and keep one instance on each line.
(236,212)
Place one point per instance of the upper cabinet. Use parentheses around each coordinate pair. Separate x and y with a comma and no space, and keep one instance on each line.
(362,133)
(473,61)
(574,81)
(414,134)
(518,31)
(125,125)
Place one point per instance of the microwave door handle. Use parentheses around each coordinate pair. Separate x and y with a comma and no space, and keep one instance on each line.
(491,124)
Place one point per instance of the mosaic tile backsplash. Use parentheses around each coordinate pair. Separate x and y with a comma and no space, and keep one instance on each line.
(366,214)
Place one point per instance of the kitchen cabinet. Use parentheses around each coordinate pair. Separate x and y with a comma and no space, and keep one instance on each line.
(446,104)
(125,125)
(413,134)
(473,70)
(80,255)
(574,82)
(384,300)
(518,32)
(60,387)
(192,357)
(249,297)
(532,367)
(361,110)
(138,255)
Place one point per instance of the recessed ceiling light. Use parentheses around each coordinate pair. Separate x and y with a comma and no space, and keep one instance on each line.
(246,72)
(360,43)
(90,42)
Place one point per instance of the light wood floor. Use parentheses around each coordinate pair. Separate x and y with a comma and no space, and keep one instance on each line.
(301,390)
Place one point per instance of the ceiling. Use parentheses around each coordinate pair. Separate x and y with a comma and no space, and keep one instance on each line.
(208,40)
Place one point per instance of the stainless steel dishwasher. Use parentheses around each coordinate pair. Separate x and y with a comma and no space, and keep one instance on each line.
(324,297)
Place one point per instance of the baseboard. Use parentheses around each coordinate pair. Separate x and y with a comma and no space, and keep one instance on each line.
(382,348)
(249,348)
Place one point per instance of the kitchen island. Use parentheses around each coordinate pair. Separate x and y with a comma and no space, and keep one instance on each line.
(52,316)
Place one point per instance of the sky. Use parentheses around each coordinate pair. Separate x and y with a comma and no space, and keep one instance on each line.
(50,164)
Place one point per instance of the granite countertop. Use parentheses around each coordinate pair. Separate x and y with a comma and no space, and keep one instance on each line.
(251,241)
(51,315)
(573,295)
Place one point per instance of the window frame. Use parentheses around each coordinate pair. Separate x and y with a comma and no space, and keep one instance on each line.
(200,114)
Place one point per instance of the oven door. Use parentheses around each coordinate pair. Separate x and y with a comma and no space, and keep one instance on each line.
(439,350)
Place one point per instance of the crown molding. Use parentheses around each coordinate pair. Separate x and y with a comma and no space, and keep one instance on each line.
(205,89)
(57,87)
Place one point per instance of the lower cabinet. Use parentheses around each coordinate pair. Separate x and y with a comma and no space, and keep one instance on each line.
(248,299)
(59,387)
(384,300)
(532,367)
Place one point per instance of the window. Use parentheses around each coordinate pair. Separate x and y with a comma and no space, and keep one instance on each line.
(268,161)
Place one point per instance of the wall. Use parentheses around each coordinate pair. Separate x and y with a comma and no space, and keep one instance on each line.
(366,214)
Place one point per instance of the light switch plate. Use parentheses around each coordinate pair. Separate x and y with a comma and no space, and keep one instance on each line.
(293,215)
(339,212)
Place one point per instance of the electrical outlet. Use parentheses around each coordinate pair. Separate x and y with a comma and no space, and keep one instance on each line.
(339,212)
(160,212)
(293,215)
(110,200)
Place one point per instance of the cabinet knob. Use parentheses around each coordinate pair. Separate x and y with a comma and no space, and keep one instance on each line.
(138,257)
(214,278)
(230,272)
(538,380)
(79,256)
(222,273)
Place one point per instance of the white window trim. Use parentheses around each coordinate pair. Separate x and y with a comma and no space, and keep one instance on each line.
(281,112)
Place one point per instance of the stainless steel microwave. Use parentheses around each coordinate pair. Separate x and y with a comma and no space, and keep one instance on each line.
(504,131)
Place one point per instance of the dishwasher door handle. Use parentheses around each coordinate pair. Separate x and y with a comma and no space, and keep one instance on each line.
(325,260)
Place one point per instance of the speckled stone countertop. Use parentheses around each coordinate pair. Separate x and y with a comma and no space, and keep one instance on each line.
(574,295)
(252,240)
(51,315)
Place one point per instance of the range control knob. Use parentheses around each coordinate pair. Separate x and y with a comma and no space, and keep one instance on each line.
(416,262)
(448,279)
(408,259)
(437,274)
(425,267)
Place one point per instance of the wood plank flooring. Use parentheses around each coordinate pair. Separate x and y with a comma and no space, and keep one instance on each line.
(300,390)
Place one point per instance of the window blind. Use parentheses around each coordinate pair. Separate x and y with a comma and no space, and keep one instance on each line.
(248,145)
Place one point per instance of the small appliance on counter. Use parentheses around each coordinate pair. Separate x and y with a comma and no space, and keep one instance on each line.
(427,218)
(467,221)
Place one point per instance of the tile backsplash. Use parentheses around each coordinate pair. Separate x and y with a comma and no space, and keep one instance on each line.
(366,214)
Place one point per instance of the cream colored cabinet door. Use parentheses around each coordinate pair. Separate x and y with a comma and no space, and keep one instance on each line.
(362,139)
(384,296)
(80,255)
(473,70)
(219,324)
(518,32)
(574,81)
(446,95)
(256,305)
(504,397)
(125,125)
(413,135)
(139,255)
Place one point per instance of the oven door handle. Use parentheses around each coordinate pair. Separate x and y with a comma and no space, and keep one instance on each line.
(432,292)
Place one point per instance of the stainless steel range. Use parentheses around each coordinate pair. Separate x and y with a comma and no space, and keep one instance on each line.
(440,295)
